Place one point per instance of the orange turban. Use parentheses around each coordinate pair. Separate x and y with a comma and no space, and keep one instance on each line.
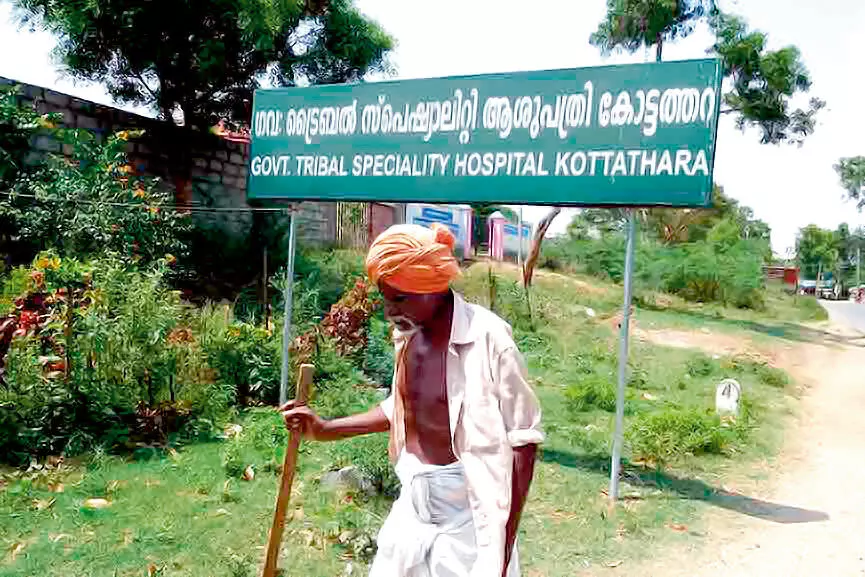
(413,259)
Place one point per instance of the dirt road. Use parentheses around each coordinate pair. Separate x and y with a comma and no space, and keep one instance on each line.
(808,520)
(846,313)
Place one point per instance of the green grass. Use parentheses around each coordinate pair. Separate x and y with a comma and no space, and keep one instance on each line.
(785,316)
(189,514)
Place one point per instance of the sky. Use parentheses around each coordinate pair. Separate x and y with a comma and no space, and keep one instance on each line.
(787,186)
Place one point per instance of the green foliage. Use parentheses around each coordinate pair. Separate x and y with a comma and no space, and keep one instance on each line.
(701,366)
(511,302)
(18,126)
(592,391)
(726,267)
(764,82)
(379,353)
(34,412)
(341,389)
(708,272)
(227,49)
(370,455)
(664,436)
(634,24)
(772,376)
(816,249)
(90,369)
(89,204)
(851,173)
(322,278)
(246,358)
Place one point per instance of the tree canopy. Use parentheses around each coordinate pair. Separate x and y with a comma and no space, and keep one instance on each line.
(632,25)
(816,249)
(851,171)
(205,58)
(763,81)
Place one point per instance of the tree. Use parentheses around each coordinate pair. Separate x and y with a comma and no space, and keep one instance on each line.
(851,171)
(763,82)
(816,250)
(204,58)
(632,25)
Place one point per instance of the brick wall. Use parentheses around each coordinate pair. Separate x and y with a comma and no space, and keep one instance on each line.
(218,167)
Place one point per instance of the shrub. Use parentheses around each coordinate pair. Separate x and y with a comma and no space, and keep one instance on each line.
(592,391)
(115,362)
(701,365)
(36,414)
(370,455)
(379,352)
(511,302)
(247,359)
(91,204)
(772,376)
(662,436)
(341,388)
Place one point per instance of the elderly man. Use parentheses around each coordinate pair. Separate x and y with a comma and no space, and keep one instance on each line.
(464,423)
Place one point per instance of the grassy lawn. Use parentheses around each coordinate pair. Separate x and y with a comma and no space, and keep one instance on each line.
(188,512)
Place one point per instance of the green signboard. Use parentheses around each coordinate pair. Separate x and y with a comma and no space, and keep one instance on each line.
(640,134)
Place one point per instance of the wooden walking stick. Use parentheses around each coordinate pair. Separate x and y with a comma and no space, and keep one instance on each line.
(304,383)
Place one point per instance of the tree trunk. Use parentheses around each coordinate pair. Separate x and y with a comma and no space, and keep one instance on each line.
(659,47)
(535,251)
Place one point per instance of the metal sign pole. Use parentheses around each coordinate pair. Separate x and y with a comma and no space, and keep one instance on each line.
(287,295)
(619,436)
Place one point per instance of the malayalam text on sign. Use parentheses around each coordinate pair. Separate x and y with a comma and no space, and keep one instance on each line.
(640,134)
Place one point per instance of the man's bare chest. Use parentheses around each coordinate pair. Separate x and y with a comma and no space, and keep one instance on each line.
(426,376)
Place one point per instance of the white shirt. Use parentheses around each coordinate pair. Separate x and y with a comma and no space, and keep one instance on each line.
(491,409)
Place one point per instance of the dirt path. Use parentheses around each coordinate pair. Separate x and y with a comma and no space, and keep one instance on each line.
(809,519)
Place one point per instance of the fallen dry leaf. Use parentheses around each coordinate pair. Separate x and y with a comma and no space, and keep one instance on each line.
(248,473)
(233,430)
(112,486)
(97,503)
(678,528)
(55,487)
(54,537)
(152,570)
(345,536)
(128,537)
(173,454)
(16,549)
(614,564)
(152,483)
(222,512)
(42,504)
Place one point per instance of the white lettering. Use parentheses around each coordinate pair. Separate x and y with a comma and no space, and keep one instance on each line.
(633,155)
(619,165)
(542,171)
(647,165)
(581,156)
(700,164)
(683,159)
(666,164)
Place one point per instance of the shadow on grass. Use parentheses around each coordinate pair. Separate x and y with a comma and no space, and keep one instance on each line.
(693,489)
(781,329)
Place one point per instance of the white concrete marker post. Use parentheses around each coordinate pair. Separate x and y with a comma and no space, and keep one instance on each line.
(624,334)
(287,309)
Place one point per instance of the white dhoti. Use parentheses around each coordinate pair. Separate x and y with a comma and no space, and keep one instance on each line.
(429,531)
